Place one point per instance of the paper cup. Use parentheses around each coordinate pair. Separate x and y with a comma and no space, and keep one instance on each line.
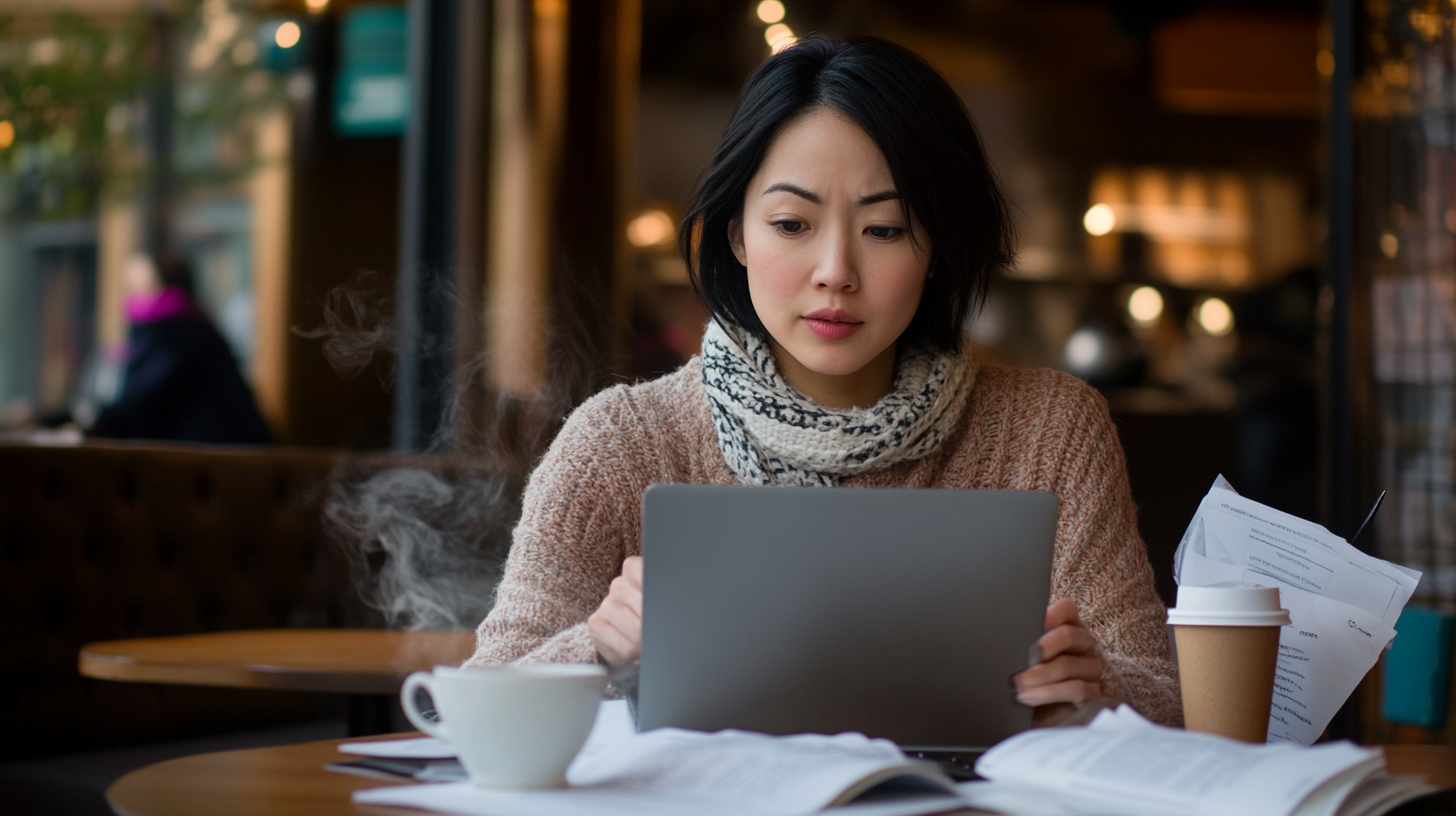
(1228,646)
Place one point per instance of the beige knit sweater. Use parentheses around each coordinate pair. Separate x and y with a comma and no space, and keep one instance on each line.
(1022,430)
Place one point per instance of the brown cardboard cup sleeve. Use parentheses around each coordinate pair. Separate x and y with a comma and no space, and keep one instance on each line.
(1228,648)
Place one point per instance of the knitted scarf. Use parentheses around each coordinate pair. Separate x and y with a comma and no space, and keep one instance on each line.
(771,434)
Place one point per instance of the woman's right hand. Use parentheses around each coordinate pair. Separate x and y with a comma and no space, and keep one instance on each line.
(616,626)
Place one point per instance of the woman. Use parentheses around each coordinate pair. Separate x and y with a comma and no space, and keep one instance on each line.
(846,229)
(181,382)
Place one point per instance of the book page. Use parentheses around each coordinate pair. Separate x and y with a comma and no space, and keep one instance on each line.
(802,773)
(1135,768)
(671,771)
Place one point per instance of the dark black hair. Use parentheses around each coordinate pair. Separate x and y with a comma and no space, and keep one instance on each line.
(174,271)
(929,142)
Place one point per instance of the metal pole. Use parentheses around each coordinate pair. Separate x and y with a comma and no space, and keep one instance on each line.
(1339,266)
(427,229)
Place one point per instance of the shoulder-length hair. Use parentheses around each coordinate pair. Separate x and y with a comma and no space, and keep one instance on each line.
(929,142)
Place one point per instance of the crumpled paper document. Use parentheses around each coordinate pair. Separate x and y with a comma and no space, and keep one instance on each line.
(1343,604)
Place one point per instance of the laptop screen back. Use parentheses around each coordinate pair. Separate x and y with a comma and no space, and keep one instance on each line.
(896,613)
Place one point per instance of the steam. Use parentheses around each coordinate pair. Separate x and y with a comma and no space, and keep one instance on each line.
(425,548)
(426,538)
(358,325)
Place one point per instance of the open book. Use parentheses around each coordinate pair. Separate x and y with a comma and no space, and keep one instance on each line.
(670,771)
(1122,763)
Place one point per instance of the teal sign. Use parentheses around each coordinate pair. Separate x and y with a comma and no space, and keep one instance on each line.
(371,94)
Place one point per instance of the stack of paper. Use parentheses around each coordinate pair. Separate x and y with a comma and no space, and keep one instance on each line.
(1342,602)
(1124,764)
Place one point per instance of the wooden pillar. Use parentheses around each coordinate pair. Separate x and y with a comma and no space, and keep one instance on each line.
(528,52)
(593,282)
(563,110)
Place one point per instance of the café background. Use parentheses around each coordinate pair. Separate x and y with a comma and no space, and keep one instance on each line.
(444,255)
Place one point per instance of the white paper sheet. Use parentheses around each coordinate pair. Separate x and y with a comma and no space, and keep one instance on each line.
(669,771)
(417,748)
(1123,764)
(1342,603)
(467,800)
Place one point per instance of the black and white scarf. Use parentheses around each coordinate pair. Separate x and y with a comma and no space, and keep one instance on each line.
(771,434)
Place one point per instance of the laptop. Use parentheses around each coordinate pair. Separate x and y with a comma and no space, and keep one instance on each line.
(896,613)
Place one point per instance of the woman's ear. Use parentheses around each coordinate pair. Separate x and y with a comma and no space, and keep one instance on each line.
(735,240)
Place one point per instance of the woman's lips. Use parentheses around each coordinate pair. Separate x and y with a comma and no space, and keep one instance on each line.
(832,324)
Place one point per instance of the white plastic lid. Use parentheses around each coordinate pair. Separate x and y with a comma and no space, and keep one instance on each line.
(1228,605)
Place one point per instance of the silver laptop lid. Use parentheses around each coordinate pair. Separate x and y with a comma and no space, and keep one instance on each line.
(896,613)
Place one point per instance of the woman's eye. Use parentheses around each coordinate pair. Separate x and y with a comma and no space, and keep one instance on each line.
(883,232)
(790,227)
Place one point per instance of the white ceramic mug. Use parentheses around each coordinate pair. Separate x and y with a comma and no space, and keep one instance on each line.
(513,726)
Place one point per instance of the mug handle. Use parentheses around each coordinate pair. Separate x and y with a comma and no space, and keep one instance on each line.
(411,710)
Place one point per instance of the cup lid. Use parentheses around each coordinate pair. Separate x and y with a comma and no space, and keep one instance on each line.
(1228,605)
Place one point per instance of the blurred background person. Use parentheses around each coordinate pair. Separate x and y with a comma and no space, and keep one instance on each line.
(181,382)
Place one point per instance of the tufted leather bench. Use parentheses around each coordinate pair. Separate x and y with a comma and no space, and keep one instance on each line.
(118,540)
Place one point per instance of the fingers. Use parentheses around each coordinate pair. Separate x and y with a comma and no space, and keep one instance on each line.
(632,571)
(1063,611)
(1077,692)
(616,628)
(616,648)
(1068,638)
(629,595)
(1059,670)
(616,625)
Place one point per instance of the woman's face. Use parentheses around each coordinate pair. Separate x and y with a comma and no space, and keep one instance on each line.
(832,269)
(141,276)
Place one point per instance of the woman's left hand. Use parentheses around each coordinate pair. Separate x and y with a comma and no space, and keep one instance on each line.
(1066,668)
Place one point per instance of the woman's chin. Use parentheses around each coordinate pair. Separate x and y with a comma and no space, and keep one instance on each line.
(832,362)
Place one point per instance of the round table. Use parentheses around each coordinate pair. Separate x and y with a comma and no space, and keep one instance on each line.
(291,781)
(368,664)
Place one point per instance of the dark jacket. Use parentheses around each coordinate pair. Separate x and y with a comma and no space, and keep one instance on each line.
(183,384)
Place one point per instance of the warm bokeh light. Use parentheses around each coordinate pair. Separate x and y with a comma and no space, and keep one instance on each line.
(288,35)
(1216,317)
(1324,62)
(1084,350)
(651,228)
(1145,304)
(316,6)
(1099,220)
(7,134)
(777,33)
(1389,245)
(771,11)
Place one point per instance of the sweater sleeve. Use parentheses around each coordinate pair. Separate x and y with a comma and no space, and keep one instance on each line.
(1100,563)
(580,518)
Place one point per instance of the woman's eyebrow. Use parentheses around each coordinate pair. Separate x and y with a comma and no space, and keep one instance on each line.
(873,198)
(784,186)
(887,195)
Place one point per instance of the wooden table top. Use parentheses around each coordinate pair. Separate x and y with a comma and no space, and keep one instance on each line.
(353,661)
(291,781)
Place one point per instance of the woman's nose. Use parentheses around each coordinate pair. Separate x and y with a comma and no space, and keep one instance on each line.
(836,269)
